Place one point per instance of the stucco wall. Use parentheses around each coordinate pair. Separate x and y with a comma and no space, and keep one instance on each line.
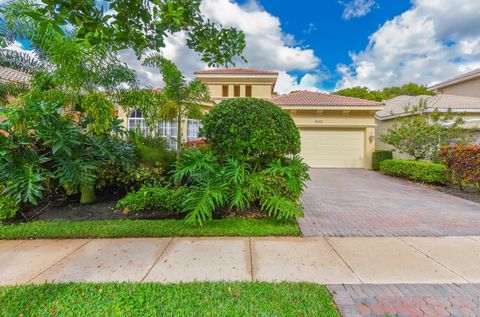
(338,119)
(469,88)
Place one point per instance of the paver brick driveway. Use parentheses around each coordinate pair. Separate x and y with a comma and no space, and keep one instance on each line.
(357,202)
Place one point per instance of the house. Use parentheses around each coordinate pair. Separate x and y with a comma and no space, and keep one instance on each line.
(467,84)
(336,131)
(467,107)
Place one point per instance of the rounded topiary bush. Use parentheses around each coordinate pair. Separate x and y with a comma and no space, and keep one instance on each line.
(250,128)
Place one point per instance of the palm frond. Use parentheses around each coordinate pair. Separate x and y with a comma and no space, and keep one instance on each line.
(21,61)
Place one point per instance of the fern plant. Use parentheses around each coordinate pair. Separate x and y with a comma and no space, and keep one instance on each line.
(236,185)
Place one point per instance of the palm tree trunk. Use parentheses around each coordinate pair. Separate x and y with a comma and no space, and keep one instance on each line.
(179,135)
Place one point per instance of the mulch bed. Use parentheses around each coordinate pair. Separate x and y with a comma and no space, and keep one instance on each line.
(468,194)
(104,209)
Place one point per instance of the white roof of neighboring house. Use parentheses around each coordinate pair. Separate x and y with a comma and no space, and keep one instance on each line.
(395,107)
(458,79)
(12,75)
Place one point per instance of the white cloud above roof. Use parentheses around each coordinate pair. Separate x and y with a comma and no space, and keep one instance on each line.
(268,47)
(433,41)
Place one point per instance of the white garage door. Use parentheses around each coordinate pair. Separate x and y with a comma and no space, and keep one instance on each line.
(333,148)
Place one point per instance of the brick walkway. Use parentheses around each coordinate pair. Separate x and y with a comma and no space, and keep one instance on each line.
(357,202)
(407,300)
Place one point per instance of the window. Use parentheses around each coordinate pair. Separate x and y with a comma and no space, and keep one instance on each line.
(248,91)
(136,122)
(193,129)
(168,130)
(225,91)
(236,91)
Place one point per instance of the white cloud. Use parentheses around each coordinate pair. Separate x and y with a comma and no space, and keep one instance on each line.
(287,83)
(268,47)
(434,40)
(357,8)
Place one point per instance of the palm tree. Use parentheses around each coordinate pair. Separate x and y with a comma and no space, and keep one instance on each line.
(84,78)
(181,99)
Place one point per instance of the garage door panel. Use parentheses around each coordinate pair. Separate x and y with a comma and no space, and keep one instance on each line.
(333,148)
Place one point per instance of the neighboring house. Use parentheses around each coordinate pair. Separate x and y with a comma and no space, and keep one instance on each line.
(467,107)
(464,85)
(336,131)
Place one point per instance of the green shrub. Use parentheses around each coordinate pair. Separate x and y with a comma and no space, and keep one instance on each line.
(239,186)
(416,170)
(379,156)
(154,198)
(463,162)
(121,178)
(153,150)
(249,128)
(8,206)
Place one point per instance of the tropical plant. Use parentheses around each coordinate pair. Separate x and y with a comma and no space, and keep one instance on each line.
(181,99)
(45,148)
(8,206)
(421,131)
(235,184)
(250,129)
(137,24)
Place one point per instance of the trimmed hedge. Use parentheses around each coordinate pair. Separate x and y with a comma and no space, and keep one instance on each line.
(379,156)
(419,171)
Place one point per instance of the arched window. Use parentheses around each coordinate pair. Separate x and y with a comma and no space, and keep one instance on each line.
(137,122)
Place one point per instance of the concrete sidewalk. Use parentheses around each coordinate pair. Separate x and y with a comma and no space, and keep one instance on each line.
(320,260)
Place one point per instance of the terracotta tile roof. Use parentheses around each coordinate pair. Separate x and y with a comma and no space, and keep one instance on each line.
(9,74)
(311,98)
(235,71)
(395,107)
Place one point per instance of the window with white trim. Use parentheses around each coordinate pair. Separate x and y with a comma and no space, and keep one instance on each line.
(137,122)
(168,130)
(193,129)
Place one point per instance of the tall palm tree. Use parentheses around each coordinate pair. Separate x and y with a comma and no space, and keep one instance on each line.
(85,78)
(181,99)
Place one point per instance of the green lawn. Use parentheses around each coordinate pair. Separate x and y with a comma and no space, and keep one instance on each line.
(231,227)
(193,299)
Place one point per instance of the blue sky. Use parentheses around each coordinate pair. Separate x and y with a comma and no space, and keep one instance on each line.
(319,25)
(334,44)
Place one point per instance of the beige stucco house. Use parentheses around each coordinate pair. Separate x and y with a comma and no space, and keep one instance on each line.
(467,107)
(467,84)
(336,131)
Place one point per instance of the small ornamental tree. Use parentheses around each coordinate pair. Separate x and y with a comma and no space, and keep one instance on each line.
(421,132)
(463,162)
(251,129)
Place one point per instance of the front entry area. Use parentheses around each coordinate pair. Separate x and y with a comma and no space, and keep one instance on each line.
(333,148)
